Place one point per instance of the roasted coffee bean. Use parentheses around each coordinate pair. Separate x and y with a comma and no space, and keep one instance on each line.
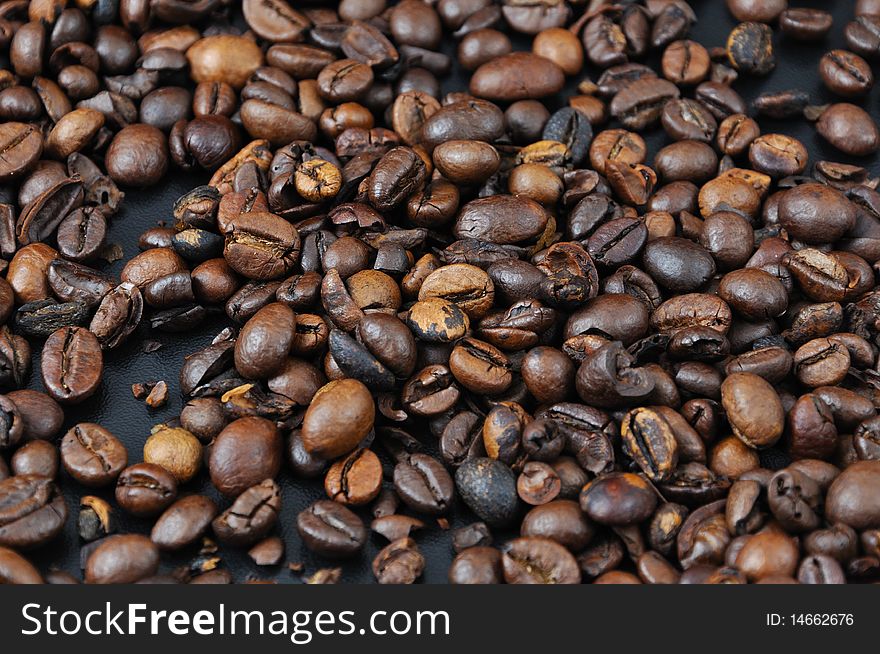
(678,264)
(354,480)
(183,522)
(805,24)
(339,417)
(145,489)
(264,341)
(122,559)
(766,554)
(400,562)
(649,441)
(137,156)
(536,560)
(538,484)
(118,315)
(251,516)
(517,76)
(616,145)
(423,484)
(246,452)
(848,499)
(684,118)
(640,104)
(32,511)
(849,129)
(15,569)
(778,155)
(331,530)
(618,499)
(753,408)
(685,62)
(92,455)
(845,74)
(72,365)
(35,458)
(466,162)
(794,500)
(750,48)
(82,233)
(736,133)
(22,146)
(261,246)
(488,487)
(477,564)
(761,11)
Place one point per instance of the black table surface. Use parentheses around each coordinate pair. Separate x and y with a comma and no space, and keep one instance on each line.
(115,408)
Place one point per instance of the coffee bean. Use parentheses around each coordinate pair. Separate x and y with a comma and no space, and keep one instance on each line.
(137,156)
(618,499)
(423,484)
(251,516)
(354,480)
(400,562)
(849,129)
(333,427)
(22,146)
(750,48)
(32,511)
(678,264)
(145,489)
(536,560)
(122,559)
(261,246)
(176,450)
(805,24)
(15,569)
(183,522)
(753,409)
(92,455)
(488,487)
(245,453)
(517,76)
(72,365)
(845,74)
(649,441)
(331,530)
(476,565)
(640,104)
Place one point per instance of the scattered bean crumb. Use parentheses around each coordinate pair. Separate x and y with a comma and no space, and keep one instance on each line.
(150,346)
(140,391)
(267,552)
(158,395)
(111,252)
(325,576)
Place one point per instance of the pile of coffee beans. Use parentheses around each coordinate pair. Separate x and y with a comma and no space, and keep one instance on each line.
(583,318)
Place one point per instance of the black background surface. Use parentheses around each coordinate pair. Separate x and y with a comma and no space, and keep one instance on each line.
(115,408)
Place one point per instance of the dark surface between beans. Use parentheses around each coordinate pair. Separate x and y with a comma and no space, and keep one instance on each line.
(115,409)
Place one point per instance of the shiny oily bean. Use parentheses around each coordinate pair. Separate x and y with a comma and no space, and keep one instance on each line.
(466,162)
(145,489)
(72,365)
(331,530)
(92,455)
(845,74)
(423,484)
(355,480)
